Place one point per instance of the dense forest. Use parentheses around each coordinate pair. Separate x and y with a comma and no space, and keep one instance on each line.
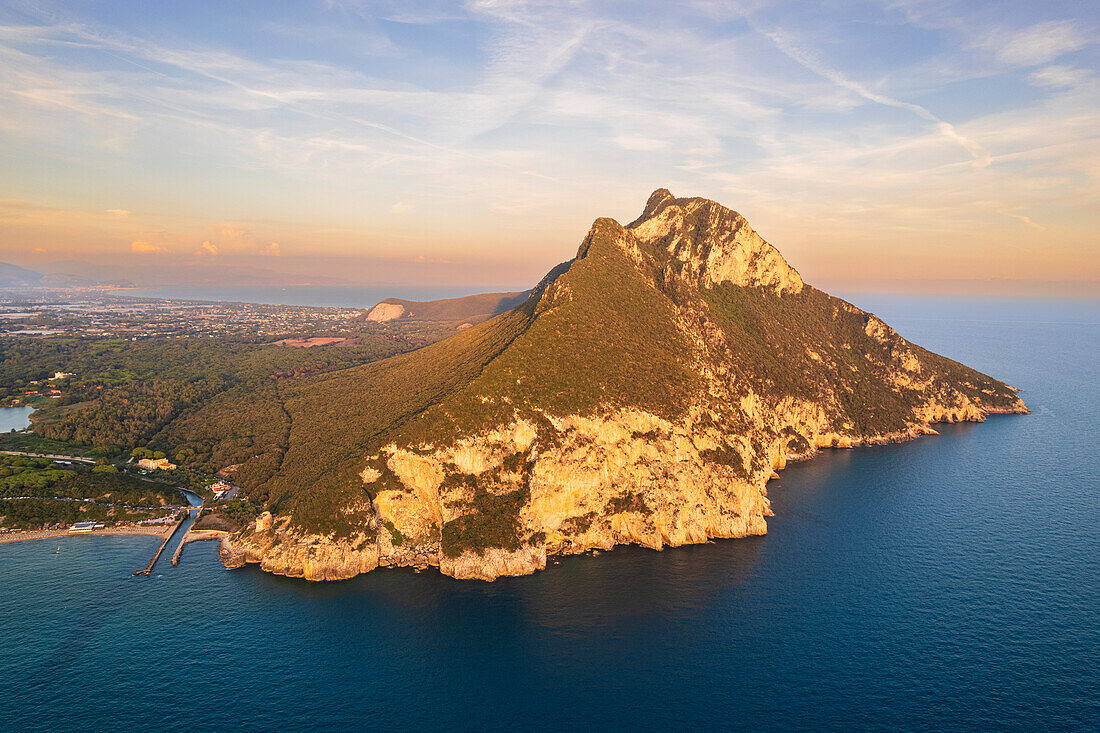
(210,403)
(41,477)
(36,492)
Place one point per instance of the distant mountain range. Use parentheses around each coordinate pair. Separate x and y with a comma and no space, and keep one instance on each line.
(13,276)
(80,273)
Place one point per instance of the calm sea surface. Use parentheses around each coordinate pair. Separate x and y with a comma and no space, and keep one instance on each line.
(950,583)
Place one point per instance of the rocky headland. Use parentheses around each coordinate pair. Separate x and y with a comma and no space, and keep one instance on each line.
(644,393)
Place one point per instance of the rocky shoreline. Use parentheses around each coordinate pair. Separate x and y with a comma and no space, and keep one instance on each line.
(277,549)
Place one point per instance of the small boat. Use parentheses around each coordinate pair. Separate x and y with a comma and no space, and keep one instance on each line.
(58,550)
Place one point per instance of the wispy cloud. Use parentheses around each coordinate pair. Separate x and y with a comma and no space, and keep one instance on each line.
(145,248)
(1037,44)
(1059,76)
(806,59)
(638,142)
(1027,220)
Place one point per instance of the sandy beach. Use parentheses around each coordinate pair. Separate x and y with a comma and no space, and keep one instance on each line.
(54,533)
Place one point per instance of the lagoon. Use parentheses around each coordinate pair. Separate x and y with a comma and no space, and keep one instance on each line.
(15,418)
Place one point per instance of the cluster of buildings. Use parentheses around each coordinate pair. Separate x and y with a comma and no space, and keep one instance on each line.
(85,527)
(104,316)
(223,490)
(34,390)
(167,519)
(153,464)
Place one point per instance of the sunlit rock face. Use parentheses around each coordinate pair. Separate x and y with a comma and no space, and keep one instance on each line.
(707,244)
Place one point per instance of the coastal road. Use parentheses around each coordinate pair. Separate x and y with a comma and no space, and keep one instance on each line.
(76,459)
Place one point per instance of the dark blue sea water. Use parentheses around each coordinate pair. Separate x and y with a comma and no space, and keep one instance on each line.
(950,583)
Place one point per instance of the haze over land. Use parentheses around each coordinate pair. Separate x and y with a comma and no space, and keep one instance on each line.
(889,146)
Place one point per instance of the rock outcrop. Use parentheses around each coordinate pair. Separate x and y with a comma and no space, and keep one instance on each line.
(385,312)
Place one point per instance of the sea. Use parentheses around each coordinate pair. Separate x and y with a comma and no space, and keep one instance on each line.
(949,583)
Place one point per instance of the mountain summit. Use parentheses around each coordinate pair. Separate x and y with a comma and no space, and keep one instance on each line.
(711,243)
(643,393)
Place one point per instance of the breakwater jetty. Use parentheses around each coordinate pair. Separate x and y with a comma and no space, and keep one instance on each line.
(196,535)
(149,568)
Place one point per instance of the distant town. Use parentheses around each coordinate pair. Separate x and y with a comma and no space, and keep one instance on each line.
(105,316)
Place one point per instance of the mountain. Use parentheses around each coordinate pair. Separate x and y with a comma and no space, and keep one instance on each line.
(643,393)
(470,309)
(15,276)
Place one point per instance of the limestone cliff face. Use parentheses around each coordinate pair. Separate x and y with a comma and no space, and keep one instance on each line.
(596,482)
(592,483)
(298,555)
(555,448)
(709,244)
(386,312)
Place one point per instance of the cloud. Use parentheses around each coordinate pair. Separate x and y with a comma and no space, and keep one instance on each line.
(401,208)
(145,248)
(120,213)
(1029,222)
(233,236)
(639,143)
(1059,76)
(1036,45)
(982,157)
(39,250)
(228,238)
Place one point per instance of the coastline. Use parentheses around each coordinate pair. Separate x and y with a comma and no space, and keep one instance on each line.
(501,563)
(314,559)
(45,534)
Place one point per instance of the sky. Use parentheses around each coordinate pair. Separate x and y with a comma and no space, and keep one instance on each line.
(879,145)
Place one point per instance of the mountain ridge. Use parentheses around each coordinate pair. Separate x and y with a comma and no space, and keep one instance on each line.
(470,308)
(644,393)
